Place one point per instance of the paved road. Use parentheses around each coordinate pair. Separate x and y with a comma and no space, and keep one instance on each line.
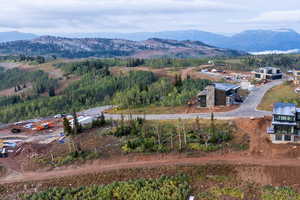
(246,110)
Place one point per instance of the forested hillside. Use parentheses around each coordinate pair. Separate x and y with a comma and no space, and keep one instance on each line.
(95,47)
(97,86)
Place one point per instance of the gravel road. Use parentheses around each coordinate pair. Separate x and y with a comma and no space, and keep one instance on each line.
(246,110)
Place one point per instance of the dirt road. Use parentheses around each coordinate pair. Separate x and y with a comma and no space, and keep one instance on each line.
(149,162)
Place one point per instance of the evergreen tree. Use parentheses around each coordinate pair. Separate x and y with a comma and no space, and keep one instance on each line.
(51,92)
(102,119)
(76,126)
(67,127)
(212,124)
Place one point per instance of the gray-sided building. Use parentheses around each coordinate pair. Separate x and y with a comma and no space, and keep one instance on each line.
(268,73)
(285,124)
(219,94)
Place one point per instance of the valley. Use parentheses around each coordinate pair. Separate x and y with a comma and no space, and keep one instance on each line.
(141,118)
(149,100)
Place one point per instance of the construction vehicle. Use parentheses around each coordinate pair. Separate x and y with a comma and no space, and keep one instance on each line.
(43,126)
(3,153)
(15,130)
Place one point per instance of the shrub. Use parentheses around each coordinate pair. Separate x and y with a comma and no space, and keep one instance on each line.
(164,188)
(279,193)
(203,147)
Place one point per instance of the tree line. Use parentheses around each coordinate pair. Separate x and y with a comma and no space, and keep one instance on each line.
(163,92)
(91,90)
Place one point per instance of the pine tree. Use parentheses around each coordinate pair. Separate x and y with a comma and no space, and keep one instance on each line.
(212,124)
(76,127)
(67,127)
(102,119)
(51,92)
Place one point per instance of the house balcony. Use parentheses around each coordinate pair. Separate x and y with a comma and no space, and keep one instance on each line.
(270,130)
(284,123)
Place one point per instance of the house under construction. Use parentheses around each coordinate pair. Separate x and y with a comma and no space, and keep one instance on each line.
(268,73)
(296,75)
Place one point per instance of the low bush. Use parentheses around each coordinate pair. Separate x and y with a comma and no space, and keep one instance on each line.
(164,188)
(203,147)
(69,158)
(279,193)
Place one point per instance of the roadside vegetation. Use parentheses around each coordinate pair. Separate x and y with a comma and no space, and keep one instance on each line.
(140,136)
(281,93)
(164,188)
(207,182)
(105,138)
(160,93)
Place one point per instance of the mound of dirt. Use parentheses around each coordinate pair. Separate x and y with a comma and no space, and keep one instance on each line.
(30,150)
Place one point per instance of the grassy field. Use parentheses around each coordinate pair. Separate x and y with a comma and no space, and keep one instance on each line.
(152,109)
(278,94)
(149,110)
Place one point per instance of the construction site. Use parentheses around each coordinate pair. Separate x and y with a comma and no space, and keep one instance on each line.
(38,131)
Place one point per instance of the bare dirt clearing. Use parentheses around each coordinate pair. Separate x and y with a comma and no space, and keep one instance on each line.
(49,68)
(11,91)
(261,154)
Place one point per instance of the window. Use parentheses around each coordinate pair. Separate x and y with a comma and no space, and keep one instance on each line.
(287,138)
(284,118)
(257,76)
(284,129)
(278,137)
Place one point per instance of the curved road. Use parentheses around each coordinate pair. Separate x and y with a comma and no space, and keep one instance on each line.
(246,110)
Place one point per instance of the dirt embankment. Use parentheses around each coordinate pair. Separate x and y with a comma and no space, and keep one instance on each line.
(264,163)
(238,175)
(284,175)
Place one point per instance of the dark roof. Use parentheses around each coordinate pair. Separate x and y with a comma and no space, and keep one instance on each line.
(203,93)
(226,86)
(284,109)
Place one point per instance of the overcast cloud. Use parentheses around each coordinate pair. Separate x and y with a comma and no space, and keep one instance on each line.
(71,16)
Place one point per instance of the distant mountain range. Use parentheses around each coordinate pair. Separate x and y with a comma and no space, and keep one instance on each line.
(14,35)
(250,41)
(95,47)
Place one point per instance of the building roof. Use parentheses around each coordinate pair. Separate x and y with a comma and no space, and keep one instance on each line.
(288,109)
(226,86)
(202,93)
(266,68)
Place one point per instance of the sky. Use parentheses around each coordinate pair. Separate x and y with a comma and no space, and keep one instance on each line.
(88,16)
